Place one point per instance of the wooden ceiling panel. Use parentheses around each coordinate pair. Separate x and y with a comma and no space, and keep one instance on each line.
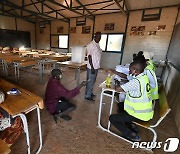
(26,13)
(17,2)
(63,7)
(52,15)
(18,12)
(86,2)
(143,4)
(163,3)
(32,8)
(53,5)
(27,2)
(46,9)
(69,14)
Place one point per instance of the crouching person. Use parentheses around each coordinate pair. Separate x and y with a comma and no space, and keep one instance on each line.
(137,104)
(57,96)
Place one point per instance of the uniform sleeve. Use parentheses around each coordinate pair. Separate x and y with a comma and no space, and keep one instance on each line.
(132,85)
(151,79)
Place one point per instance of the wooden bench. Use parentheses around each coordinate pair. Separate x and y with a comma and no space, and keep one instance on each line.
(163,111)
(4,149)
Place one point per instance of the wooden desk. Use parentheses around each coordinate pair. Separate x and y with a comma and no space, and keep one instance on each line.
(42,63)
(55,57)
(18,65)
(59,57)
(19,105)
(77,66)
(10,59)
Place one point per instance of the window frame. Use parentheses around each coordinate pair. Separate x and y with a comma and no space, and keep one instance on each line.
(58,40)
(107,42)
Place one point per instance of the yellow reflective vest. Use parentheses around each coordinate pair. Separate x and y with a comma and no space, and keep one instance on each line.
(140,107)
(151,65)
(154,91)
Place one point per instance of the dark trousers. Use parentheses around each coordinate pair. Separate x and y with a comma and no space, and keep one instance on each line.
(121,122)
(92,79)
(63,106)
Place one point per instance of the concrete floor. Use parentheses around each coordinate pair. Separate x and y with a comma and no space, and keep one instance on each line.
(79,135)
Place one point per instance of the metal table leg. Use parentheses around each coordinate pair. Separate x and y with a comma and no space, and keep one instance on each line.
(24,120)
(40,132)
(40,71)
(78,75)
(5,68)
(2,61)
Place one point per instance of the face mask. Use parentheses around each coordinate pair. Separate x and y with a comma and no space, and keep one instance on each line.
(58,77)
(131,76)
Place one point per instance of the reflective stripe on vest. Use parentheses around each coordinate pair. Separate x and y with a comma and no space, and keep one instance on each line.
(140,107)
(141,99)
(154,91)
(138,111)
(151,65)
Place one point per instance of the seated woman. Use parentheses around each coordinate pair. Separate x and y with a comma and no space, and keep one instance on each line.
(137,105)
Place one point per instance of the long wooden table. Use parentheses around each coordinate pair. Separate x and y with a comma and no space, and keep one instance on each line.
(77,66)
(21,104)
(18,65)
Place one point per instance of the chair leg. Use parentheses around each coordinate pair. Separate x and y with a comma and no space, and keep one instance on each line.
(155,134)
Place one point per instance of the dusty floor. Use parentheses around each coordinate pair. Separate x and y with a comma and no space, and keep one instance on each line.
(80,135)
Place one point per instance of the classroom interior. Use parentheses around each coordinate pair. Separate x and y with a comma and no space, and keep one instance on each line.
(41,35)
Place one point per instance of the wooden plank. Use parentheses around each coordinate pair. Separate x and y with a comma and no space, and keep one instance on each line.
(72,64)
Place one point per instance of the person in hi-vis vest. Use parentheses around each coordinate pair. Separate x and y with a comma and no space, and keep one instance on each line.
(150,72)
(137,105)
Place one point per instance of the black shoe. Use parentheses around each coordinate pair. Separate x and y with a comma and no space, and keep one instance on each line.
(93,96)
(135,138)
(66,117)
(89,98)
(132,127)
